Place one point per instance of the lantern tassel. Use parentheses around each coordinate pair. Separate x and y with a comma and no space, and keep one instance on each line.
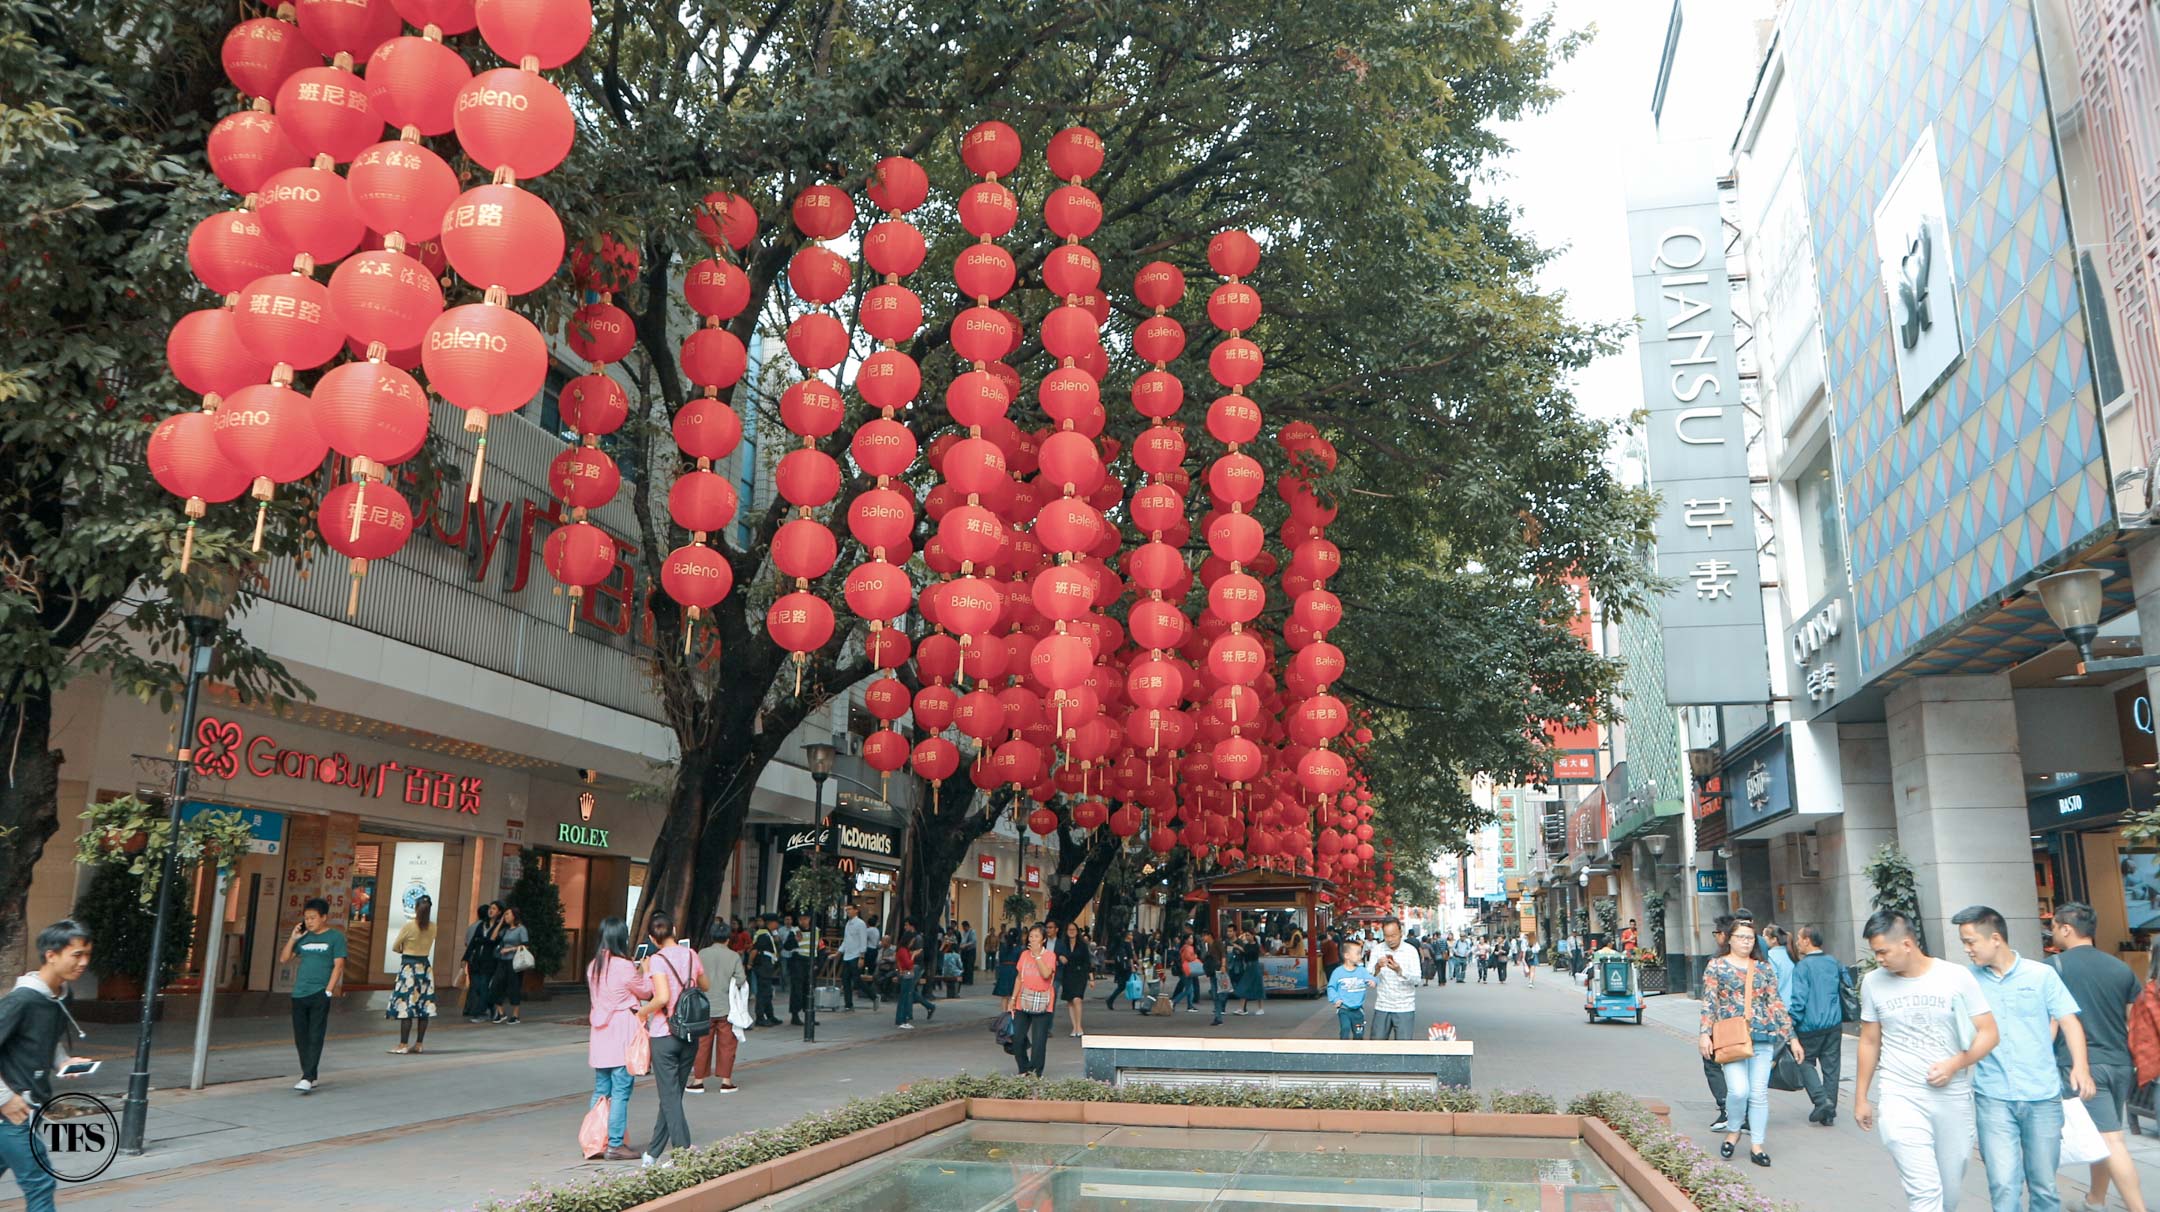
(262,514)
(359,502)
(479,461)
(570,620)
(187,546)
(687,629)
(352,598)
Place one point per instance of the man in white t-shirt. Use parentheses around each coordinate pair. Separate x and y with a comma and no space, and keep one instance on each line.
(1923,1023)
(1395,964)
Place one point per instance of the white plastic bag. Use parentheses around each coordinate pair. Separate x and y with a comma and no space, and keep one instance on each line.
(2082,1144)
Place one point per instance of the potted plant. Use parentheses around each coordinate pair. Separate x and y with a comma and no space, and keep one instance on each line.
(539,906)
(1019,908)
(134,833)
(112,907)
(816,889)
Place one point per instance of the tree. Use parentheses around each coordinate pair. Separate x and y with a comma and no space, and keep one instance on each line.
(1403,321)
(540,911)
(120,923)
(104,108)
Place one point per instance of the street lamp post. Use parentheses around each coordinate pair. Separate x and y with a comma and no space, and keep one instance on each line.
(818,755)
(203,604)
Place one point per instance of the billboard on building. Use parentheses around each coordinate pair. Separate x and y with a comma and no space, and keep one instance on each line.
(1712,617)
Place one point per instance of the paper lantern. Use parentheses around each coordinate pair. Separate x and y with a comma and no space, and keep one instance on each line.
(891,313)
(484,357)
(936,759)
(728,219)
(550,31)
(370,410)
(716,289)
(594,404)
(707,429)
(878,590)
(185,460)
(206,355)
(385,296)
(988,210)
(805,550)
(823,212)
(885,751)
(898,185)
(353,27)
(1233,254)
(248,148)
(363,522)
(500,235)
(402,187)
(818,275)
(697,577)
(600,333)
(450,16)
(1074,154)
(514,119)
(260,52)
(799,622)
(817,341)
(583,477)
(1158,285)
(702,502)
(288,318)
(415,82)
(714,357)
(310,211)
(990,149)
(895,248)
(580,556)
(807,478)
(984,272)
(325,111)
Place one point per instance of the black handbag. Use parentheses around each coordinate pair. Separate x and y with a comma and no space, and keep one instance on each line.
(1787,1074)
(1002,1028)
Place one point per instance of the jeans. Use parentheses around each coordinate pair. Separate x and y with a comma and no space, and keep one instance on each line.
(1349,1022)
(1500,964)
(716,1053)
(1823,1066)
(1747,1083)
(851,976)
(2021,1146)
(1187,988)
(1031,1040)
(21,1153)
(1929,1134)
(904,1007)
(613,1085)
(1119,974)
(671,1062)
(310,1021)
(1461,966)
(1392,1024)
(1222,1001)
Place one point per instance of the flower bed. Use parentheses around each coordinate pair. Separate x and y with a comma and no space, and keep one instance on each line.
(1713,1185)
(937,1104)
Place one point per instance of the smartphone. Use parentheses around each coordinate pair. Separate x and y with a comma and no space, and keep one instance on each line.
(79,1068)
(643,950)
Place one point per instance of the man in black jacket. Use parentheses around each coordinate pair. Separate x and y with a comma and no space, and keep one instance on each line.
(35,1028)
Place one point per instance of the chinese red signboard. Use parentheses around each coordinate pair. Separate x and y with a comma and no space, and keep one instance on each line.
(986,866)
(1034,876)
(1577,759)
(223,749)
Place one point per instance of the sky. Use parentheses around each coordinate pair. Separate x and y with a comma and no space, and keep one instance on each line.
(1567,176)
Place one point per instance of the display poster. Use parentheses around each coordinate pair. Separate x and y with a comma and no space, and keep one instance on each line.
(415,871)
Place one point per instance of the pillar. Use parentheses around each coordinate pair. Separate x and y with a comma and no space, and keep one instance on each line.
(2145,583)
(1849,839)
(1959,792)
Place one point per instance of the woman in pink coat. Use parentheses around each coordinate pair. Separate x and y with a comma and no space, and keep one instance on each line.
(622,997)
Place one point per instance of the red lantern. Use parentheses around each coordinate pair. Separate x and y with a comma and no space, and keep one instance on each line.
(892,313)
(697,577)
(514,119)
(990,149)
(729,219)
(260,52)
(817,341)
(385,296)
(812,409)
(371,410)
(716,289)
(1072,212)
(702,502)
(1158,285)
(1071,270)
(325,111)
(880,519)
(600,333)
(883,447)
(594,404)
(898,185)
(363,522)
(707,429)
(800,622)
(878,590)
(186,461)
(310,211)
(984,272)
(269,432)
(1042,822)
(1234,307)
(936,759)
(248,148)
(807,478)
(805,550)
(895,248)
(485,357)
(403,188)
(823,212)
(714,357)
(584,477)
(450,16)
(206,355)
(982,334)
(500,235)
(580,555)
(414,82)
(885,751)
(353,28)
(288,318)
(551,31)
(1233,254)
(988,210)
(1075,154)
(818,275)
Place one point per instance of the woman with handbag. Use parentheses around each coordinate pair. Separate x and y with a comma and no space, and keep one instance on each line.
(1744,1025)
(621,998)
(513,951)
(1121,968)
(1190,969)
(478,962)
(1034,1003)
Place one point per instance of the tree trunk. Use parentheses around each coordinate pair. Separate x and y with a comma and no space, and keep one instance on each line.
(29,810)
(729,808)
(1086,863)
(945,828)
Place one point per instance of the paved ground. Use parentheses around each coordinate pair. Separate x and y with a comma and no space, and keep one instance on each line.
(495,1109)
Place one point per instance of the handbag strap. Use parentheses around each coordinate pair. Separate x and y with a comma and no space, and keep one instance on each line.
(1747,995)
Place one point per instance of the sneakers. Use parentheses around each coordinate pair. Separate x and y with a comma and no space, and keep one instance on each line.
(907,1026)
(304,1085)
(1237,1012)
(621,1153)
(727,1087)
(1718,1124)
(694,1088)
(1259,1012)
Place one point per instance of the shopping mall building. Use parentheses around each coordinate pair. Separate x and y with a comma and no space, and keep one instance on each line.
(1900,361)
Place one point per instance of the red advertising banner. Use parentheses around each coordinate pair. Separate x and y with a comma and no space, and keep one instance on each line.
(1577,760)
(986,866)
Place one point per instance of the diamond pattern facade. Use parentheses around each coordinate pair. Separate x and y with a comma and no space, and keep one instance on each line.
(2001,469)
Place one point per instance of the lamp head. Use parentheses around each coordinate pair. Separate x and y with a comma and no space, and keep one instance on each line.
(818,755)
(2072,601)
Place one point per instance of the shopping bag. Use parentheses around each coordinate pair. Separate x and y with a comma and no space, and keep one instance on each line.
(1787,1075)
(2082,1143)
(1132,988)
(637,1052)
(592,1134)
(1002,1027)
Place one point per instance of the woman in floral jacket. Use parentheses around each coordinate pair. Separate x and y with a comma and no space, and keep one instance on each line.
(1726,994)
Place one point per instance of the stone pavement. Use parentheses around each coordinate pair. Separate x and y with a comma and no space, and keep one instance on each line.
(495,1109)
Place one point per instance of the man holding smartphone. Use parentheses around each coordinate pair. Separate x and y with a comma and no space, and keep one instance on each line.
(35,1028)
(1395,966)
(321,953)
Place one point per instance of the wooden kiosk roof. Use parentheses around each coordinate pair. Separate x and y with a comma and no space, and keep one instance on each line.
(1260,879)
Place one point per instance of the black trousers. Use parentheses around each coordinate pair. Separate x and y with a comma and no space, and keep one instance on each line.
(310,1022)
(798,981)
(1031,1040)
(1119,974)
(671,1060)
(967,965)
(1825,1053)
(764,1011)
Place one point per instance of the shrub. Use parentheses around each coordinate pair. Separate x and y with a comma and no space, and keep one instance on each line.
(1522,1102)
(1713,1186)
(539,906)
(120,926)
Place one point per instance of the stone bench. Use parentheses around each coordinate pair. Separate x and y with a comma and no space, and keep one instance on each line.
(1410,1066)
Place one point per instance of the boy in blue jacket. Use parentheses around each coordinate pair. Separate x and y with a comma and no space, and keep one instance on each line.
(1346,988)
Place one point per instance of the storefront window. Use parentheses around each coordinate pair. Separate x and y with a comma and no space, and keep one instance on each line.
(1822,540)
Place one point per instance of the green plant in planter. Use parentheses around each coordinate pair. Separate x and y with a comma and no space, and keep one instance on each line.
(132,833)
(1653,908)
(539,906)
(1608,917)
(816,889)
(1895,886)
(112,907)
(1019,908)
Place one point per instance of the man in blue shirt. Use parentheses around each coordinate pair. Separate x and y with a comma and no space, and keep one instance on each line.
(2017,1091)
(1817,1005)
(1781,960)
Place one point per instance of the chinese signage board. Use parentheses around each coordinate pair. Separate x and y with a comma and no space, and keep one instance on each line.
(224,750)
(1575,758)
(1822,656)
(1711,882)
(266,830)
(986,866)
(1759,781)
(1712,617)
(2080,806)
(1919,284)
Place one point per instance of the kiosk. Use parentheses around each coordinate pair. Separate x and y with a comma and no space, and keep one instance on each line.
(1293,910)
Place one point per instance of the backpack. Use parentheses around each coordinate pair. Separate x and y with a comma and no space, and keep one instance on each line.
(692,1017)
